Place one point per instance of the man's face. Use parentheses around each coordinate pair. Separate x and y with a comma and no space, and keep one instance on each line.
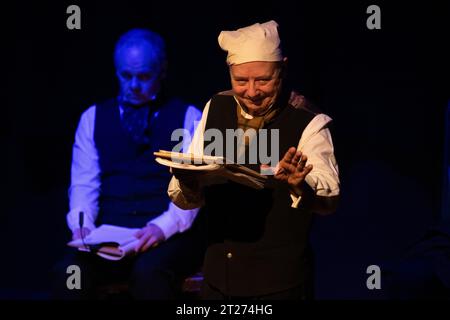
(256,84)
(139,77)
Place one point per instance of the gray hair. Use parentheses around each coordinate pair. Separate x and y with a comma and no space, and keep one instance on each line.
(138,37)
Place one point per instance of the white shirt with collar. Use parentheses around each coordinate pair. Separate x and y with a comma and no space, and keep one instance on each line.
(316,143)
(85,179)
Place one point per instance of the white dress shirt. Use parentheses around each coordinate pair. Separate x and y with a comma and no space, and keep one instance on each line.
(315,143)
(85,179)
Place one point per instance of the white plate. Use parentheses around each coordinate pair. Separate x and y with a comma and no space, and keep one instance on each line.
(186,166)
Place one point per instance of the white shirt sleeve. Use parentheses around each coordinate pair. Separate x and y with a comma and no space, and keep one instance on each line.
(85,174)
(316,143)
(182,196)
(176,219)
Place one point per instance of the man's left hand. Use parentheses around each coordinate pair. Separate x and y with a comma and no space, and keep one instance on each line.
(149,236)
(292,170)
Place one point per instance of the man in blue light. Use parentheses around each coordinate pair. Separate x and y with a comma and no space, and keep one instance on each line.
(115,180)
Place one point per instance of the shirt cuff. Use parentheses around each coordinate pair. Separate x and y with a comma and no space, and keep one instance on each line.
(73,219)
(166,224)
(322,187)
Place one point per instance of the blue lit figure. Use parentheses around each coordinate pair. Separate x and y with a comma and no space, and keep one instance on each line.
(115,179)
(140,67)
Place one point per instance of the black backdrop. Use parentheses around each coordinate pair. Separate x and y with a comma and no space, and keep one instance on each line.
(386,90)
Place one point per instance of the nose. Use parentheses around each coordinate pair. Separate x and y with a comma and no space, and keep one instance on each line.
(252,90)
(134,84)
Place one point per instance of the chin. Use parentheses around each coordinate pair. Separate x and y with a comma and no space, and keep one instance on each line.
(253,106)
(257,109)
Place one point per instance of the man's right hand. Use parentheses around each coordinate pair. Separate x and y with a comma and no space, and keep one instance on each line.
(190,179)
(77,233)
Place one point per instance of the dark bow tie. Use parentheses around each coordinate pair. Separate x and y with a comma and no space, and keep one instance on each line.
(135,121)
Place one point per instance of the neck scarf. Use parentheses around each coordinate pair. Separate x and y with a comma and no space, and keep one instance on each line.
(135,121)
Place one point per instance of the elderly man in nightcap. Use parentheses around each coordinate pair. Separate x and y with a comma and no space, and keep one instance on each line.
(258,238)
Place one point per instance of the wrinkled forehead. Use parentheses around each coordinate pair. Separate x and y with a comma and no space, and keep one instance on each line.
(255,69)
(138,58)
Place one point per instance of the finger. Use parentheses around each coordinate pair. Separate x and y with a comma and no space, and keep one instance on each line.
(306,170)
(287,167)
(289,155)
(78,233)
(142,242)
(299,175)
(75,235)
(301,163)
(150,243)
(86,232)
(297,157)
(280,174)
(139,246)
(155,244)
(279,170)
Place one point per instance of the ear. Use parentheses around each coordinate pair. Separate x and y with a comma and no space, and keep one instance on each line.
(284,65)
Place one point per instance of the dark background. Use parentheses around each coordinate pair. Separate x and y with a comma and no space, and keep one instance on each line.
(386,89)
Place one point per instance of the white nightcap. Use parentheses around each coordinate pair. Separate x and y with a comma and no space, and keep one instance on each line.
(258,42)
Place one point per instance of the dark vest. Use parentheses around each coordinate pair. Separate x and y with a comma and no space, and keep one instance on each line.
(258,242)
(133,185)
